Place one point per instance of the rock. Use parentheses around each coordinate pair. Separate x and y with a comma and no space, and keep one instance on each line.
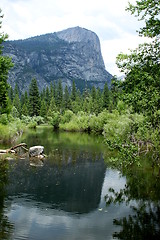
(34,162)
(71,54)
(36,151)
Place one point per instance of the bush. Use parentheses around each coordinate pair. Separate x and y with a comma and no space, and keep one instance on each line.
(38,119)
(79,122)
(26,119)
(4,119)
(55,120)
(14,112)
(12,130)
(32,124)
(67,116)
(118,127)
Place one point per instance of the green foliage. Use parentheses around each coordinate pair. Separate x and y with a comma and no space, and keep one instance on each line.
(55,120)
(4,119)
(11,131)
(38,119)
(32,124)
(67,116)
(147,10)
(34,98)
(141,86)
(96,123)
(17,104)
(43,109)
(14,112)
(79,122)
(5,65)
(106,96)
(24,110)
(66,99)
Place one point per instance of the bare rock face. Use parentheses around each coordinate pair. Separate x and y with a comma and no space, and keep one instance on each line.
(72,54)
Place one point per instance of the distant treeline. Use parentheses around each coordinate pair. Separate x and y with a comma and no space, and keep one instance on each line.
(55,98)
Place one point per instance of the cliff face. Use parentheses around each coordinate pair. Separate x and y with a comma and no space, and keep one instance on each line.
(72,54)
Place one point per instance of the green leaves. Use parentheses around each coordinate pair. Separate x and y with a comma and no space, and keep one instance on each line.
(149,11)
(5,65)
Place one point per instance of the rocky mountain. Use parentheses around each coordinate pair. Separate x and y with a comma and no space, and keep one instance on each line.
(72,54)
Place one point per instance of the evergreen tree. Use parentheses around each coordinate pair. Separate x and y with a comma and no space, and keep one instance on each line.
(51,91)
(34,100)
(52,107)
(99,101)
(59,97)
(24,110)
(106,96)
(47,96)
(43,109)
(5,65)
(54,90)
(76,105)
(10,93)
(66,99)
(16,90)
(93,93)
(73,92)
(17,104)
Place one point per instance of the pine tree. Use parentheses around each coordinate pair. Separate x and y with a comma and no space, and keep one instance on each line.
(99,101)
(59,97)
(73,92)
(106,96)
(93,93)
(66,99)
(47,96)
(43,109)
(17,104)
(34,99)
(10,93)
(24,110)
(16,90)
(51,91)
(52,107)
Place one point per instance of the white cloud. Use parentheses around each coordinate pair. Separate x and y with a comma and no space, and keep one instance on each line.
(115,27)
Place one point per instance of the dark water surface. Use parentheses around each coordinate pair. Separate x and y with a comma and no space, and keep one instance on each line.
(63,197)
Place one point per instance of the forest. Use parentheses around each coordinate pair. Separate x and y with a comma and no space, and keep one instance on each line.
(127,114)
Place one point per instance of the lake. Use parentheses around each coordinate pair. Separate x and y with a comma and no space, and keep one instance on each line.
(75,194)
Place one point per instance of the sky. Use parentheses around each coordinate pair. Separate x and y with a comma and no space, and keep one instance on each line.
(115,27)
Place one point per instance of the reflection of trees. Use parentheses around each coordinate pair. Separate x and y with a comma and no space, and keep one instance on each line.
(144,222)
(5,226)
(69,180)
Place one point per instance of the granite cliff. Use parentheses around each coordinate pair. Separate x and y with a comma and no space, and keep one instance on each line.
(71,54)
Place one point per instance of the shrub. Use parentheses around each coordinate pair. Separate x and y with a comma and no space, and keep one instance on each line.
(79,122)
(38,119)
(55,120)
(118,128)
(4,119)
(32,124)
(67,116)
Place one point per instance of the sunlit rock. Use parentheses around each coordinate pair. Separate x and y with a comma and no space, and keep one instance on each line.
(36,151)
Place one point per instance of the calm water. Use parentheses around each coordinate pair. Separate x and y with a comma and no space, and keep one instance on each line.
(63,197)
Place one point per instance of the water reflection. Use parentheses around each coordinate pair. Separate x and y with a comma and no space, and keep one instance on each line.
(6,227)
(64,197)
(70,187)
(142,185)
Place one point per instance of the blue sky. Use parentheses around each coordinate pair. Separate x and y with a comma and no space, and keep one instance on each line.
(115,27)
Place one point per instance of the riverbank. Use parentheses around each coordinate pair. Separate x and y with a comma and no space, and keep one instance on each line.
(131,134)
